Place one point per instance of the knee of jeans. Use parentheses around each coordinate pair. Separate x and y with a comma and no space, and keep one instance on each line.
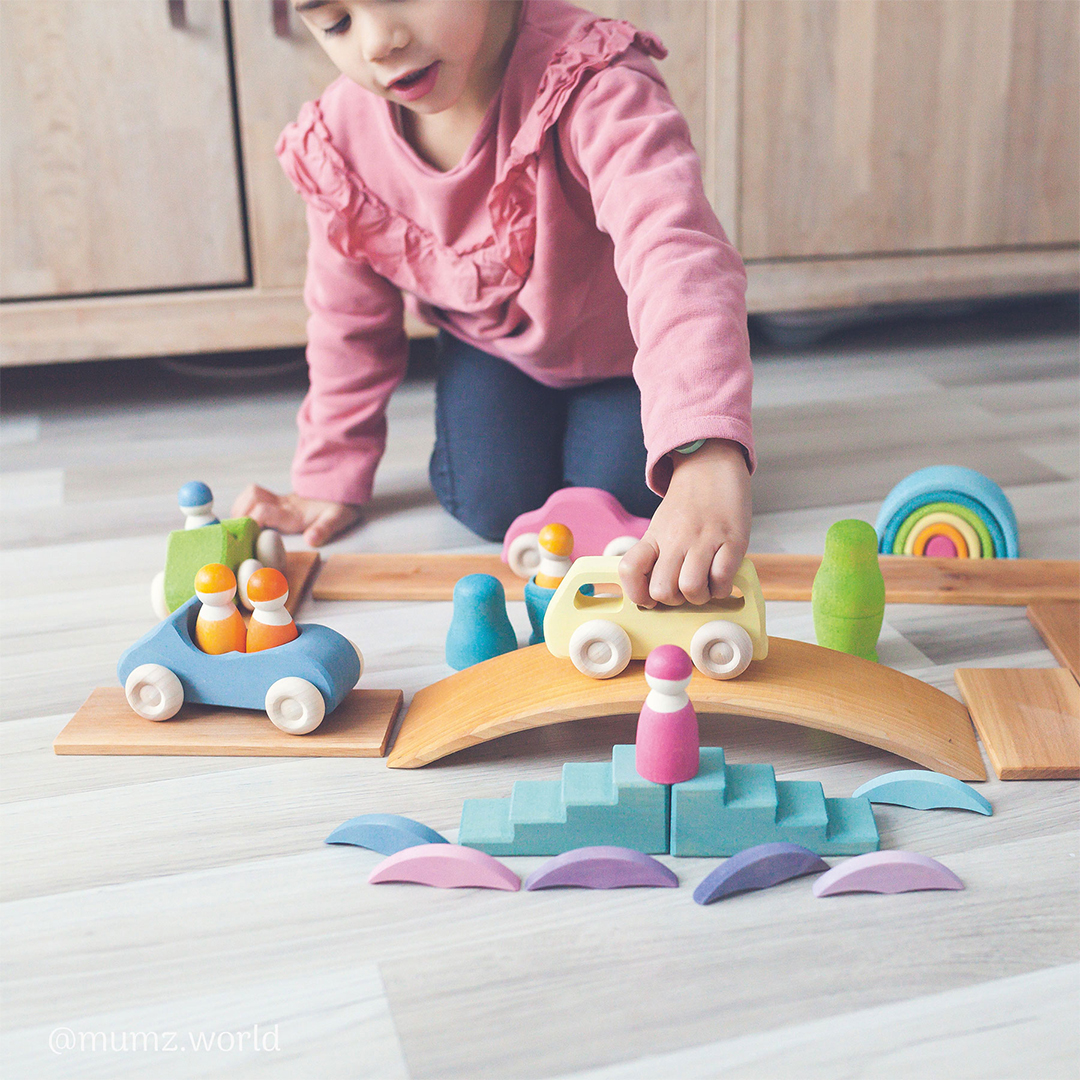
(481,515)
(484,518)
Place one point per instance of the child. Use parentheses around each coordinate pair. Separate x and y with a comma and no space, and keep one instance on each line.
(519,171)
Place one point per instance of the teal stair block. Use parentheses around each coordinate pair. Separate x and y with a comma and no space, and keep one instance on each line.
(604,803)
(852,828)
(723,809)
(536,802)
(801,813)
(727,808)
(487,818)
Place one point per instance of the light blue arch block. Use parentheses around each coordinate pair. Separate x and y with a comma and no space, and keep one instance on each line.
(384,833)
(950,483)
(924,791)
(887,539)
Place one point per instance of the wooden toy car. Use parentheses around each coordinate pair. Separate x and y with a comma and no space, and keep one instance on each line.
(237,543)
(297,683)
(596,518)
(602,633)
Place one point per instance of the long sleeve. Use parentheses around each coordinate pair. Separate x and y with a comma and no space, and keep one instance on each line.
(626,142)
(357,353)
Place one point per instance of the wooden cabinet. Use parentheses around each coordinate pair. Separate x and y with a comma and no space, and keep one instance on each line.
(857,151)
(120,169)
(895,126)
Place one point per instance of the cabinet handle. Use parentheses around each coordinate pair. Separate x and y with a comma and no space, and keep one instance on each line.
(279,12)
(177,14)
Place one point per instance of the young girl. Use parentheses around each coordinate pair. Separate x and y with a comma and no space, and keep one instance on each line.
(519,171)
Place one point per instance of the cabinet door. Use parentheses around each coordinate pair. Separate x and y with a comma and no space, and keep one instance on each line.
(908,125)
(279,66)
(119,169)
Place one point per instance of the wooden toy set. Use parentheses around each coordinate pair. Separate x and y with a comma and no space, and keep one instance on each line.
(1027,719)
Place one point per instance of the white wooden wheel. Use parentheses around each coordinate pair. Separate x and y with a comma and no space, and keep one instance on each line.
(243,576)
(270,549)
(157,596)
(600,649)
(523,555)
(295,705)
(359,656)
(721,649)
(154,692)
(620,545)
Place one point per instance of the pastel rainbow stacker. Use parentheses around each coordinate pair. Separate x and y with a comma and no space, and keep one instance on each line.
(220,626)
(271,625)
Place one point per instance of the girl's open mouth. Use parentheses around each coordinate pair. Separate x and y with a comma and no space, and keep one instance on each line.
(416,84)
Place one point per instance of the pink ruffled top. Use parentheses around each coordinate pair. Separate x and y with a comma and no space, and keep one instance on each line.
(573,240)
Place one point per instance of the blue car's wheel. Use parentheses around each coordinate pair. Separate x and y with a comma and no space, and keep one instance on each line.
(154,692)
(295,705)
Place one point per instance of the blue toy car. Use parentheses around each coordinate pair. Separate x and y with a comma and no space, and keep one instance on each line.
(297,683)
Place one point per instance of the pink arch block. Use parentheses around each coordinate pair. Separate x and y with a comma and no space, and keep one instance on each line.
(446,866)
(940,547)
(886,872)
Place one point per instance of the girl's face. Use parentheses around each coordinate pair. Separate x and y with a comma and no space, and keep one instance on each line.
(423,54)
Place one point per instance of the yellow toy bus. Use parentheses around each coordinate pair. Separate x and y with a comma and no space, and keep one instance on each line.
(602,633)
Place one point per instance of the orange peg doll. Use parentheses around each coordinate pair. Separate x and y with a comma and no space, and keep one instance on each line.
(220,627)
(556,545)
(271,625)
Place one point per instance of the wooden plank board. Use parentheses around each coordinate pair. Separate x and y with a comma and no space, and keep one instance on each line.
(1028,720)
(300,567)
(359,727)
(798,684)
(1059,625)
(356,576)
(921,580)
(908,580)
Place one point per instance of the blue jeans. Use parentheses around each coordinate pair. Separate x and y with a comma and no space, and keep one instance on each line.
(504,442)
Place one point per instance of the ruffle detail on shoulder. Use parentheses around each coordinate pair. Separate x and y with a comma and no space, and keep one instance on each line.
(361,225)
(512,202)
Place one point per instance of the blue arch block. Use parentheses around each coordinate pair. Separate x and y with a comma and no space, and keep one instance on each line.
(950,483)
(384,833)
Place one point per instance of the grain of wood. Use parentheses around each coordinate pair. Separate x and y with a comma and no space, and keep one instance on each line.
(1059,625)
(798,683)
(359,727)
(1028,720)
(908,580)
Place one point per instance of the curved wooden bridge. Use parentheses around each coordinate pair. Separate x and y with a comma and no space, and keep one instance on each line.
(798,684)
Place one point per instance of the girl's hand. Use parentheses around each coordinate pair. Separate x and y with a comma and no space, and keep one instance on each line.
(320,521)
(699,533)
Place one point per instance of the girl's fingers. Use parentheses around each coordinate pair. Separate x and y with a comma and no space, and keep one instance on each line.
(724,564)
(330,522)
(664,580)
(249,498)
(278,515)
(635,569)
(694,581)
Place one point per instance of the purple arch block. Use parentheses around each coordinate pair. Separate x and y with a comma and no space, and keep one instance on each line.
(446,866)
(384,833)
(603,867)
(887,872)
(758,867)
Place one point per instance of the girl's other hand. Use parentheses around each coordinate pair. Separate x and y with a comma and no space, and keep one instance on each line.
(699,533)
(320,521)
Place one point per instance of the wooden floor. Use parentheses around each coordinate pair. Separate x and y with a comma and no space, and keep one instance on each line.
(191,901)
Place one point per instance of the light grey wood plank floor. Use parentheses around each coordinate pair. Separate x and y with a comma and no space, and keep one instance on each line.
(188,900)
